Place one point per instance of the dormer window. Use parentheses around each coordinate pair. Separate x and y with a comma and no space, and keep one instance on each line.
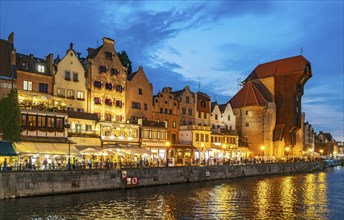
(25,65)
(41,68)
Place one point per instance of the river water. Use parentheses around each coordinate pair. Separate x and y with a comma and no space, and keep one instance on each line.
(318,195)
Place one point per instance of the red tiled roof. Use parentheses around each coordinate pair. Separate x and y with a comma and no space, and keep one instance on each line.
(252,94)
(279,67)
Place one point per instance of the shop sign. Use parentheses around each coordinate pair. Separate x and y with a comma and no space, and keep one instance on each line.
(207,173)
(134,180)
(128,181)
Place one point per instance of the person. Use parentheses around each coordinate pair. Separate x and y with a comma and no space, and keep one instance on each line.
(4,166)
(90,163)
(45,164)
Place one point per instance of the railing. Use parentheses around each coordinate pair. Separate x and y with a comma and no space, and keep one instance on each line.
(194,127)
(82,133)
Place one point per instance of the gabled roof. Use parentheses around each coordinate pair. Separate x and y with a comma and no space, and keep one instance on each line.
(252,94)
(131,75)
(279,68)
(213,104)
(223,107)
(33,61)
(94,52)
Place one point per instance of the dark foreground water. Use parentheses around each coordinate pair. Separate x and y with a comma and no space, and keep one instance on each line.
(301,196)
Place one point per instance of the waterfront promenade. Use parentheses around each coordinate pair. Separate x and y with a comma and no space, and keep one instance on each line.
(49,182)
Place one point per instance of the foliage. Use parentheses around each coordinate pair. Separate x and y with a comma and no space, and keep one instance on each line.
(126,62)
(10,115)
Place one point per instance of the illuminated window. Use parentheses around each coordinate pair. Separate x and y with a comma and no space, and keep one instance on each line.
(27,85)
(107,117)
(70,94)
(80,95)
(60,92)
(41,68)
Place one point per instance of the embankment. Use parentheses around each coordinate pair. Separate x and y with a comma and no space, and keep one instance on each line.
(38,183)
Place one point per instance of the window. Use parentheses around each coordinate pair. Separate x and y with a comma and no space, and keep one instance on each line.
(41,68)
(60,92)
(108,86)
(170,111)
(80,95)
(136,105)
(203,104)
(70,94)
(174,124)
(88,127)
(145,107)
(108,55)
(190,111)
(97,84)
(78,127)
(197,137)
(31,122)
(199,114)
(43,87)
(70,109)
(27,85)
(202,137)
(75,77)
(184,111)
(114,71)
(187,99)
(41,121)
(80,110)
(215,116)
(205,115)
(119,103)
(247,124)
(108,102)
(67,75)
(107,117)
(118,117)
(119,88)
(207,138)
(97,100)
(50,122)
(59,123)
(25,65)
(160,110)
(140,91)
(102,69)
(229,117)
(166,111)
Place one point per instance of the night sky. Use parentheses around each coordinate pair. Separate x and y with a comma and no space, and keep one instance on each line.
(213,44)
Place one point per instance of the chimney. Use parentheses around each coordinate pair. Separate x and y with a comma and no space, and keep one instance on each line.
(50,62)
(89,50)
(107,40)
(11,38)
(71,46)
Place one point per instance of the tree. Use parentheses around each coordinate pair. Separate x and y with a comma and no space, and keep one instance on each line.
(10,117)
(126,62)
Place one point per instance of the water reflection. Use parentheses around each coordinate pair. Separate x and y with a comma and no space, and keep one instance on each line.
(301,196)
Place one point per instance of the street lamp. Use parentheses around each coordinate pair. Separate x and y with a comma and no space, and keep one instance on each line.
(321,151)
(263,149)
(287,150)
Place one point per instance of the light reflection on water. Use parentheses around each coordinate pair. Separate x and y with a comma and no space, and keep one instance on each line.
(301,196)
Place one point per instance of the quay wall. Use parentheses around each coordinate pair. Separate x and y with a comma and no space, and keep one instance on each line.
(38,183)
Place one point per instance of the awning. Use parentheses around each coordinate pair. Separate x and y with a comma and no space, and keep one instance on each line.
(45,148)
(6,149)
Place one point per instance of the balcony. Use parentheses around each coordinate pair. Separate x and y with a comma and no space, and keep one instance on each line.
(194,127)
(81,133)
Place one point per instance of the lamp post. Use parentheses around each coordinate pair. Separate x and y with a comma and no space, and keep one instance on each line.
(287,153)
(68,126)
(263,149)
(167,152)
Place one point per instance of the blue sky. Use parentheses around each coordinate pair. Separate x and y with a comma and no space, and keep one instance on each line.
(214,43)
